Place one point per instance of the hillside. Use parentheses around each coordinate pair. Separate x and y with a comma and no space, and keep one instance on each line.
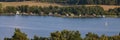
(45,4)
(105,7)
(30,3)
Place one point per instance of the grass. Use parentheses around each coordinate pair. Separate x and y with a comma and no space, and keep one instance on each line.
(29,3)
(106,7)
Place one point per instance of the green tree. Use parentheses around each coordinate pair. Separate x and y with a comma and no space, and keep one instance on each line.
(66,35)
(103,37)
(36,38)
(90,1)
(34,9)
(18,35)
(91,36)
(0,8)
(23,8)
(10,9)
(7,38)
(39,38)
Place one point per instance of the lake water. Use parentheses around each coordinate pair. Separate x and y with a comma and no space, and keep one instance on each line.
(44,25)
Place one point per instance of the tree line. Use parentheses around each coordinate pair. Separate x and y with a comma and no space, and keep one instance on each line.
(85,2)
(74,2)
(115,11)
(63,35)
(92,11)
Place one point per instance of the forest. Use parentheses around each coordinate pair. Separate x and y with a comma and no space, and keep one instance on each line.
(74,2)
(62,35)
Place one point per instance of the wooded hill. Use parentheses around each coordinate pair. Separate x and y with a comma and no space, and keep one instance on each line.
(73,2)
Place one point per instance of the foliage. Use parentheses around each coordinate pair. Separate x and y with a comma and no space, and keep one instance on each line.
(71,10)
(34,9)
(74,2)
(76,10)
(63,35)
(23,8)
(39,38)
(18,35)
(115,11)
(91,36)
(10,9)
(0,8)
(66,35)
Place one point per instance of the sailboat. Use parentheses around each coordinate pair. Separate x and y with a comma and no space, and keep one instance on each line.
(106,23)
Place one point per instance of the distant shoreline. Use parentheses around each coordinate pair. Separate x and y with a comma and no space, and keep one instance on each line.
(63,16)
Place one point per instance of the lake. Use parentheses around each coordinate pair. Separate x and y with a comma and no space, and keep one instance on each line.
(44,25)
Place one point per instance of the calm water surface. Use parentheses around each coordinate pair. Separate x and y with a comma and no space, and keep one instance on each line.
(44,25)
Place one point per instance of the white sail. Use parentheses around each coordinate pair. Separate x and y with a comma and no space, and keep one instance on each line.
(17,13)
(106,23)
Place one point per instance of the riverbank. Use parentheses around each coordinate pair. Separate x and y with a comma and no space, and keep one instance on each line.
(68,16)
